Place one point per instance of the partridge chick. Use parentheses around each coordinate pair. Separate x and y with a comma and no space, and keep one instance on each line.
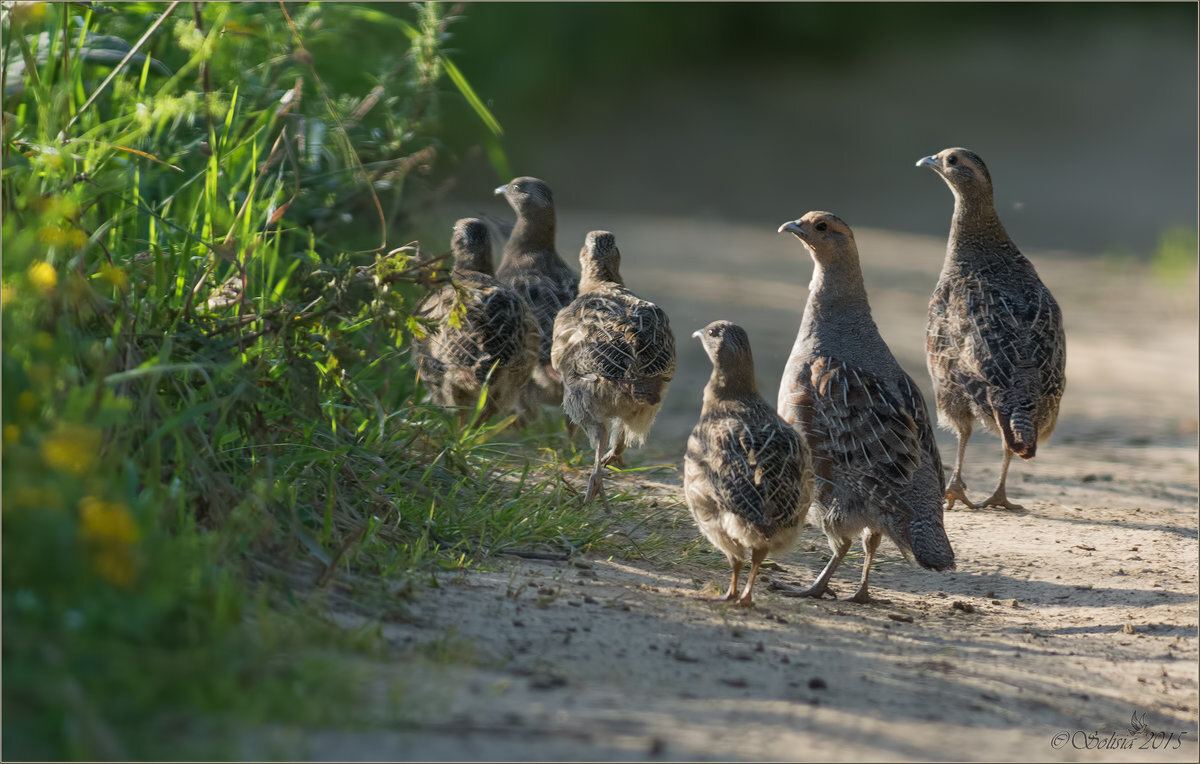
(747,474)
(494,340)
(615,354)
(533,268)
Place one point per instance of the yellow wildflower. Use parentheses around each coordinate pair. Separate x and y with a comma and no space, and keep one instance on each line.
(115,565)
(43,277)
(43,340)
(7,293)
(115,275)
(12,433)
(73,449)
(110,529)
(106,522)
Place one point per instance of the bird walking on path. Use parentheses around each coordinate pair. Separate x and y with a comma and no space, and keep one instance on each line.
(533,268)
(994,342)
(615,354)
(875,462)
(747,475)
(494,338)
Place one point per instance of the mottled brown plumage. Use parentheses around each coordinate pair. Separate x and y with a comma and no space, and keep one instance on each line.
(533,268)
(747,475)
(615,354)
(995,343)
(482,328)
(875,460)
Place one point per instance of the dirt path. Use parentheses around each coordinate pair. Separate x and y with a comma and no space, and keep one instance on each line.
(1076,616)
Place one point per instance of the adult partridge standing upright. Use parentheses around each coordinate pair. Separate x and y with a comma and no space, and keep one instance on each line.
(994,343)
(533,268)
(495,339)
(747,475)
(615,354)
(875,462)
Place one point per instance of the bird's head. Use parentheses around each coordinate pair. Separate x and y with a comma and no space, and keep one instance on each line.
(825,235)
(527,196)
(472,246)
(599,260)
(962,169)
(728,347)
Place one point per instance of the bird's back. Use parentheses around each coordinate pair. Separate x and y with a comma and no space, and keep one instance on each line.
(546,284)
(743,459)
(612,334)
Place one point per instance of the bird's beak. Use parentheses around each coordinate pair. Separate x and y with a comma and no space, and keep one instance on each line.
(930,160)
(794,227)
(500,190)
(696,334)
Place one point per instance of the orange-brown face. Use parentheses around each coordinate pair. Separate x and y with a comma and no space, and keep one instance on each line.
(821,232)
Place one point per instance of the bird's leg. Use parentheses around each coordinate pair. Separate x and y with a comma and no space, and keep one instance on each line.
(870,541)
(998,497)
(957,490)
(735,565)
(822,583)
(597,433)
(616,447)
(756,558)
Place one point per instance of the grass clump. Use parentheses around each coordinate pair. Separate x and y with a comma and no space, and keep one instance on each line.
(205,371)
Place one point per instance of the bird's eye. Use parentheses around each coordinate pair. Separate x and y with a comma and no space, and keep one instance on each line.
(821,226)
(951,159)
(714,332)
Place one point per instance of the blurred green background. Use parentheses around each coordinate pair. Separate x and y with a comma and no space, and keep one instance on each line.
(758,112)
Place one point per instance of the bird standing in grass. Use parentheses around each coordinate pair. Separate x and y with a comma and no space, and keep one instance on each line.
(875,462)
(533,268)
(615,354)
(484,332)
(747,475)
(994,342)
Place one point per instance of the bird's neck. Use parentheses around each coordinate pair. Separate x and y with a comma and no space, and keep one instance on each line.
(726,384)
(975,221)
(836,293)
(532,234)
(592,278)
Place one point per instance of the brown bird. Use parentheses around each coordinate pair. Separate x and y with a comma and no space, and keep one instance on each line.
(484,332)
(615,354)
(532,267)
(994,342)
(875,461)
(747,475)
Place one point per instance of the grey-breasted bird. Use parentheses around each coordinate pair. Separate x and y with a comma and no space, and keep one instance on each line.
(747,475)
(615,354)
(875,461)
(532,267)
(994,342)
(495,338)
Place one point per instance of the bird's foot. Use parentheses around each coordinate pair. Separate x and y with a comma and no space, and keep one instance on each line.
(1000,501)
(957,491)
(746,600)
(595,488)
(788,590)
(863,597)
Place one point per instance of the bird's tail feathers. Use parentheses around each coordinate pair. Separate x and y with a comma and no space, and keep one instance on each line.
(644,390)
(930,545)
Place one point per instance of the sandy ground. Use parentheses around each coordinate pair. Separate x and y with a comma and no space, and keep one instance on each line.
(1068,632)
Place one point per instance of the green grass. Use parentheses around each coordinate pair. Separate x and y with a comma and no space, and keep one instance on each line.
(210,423)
